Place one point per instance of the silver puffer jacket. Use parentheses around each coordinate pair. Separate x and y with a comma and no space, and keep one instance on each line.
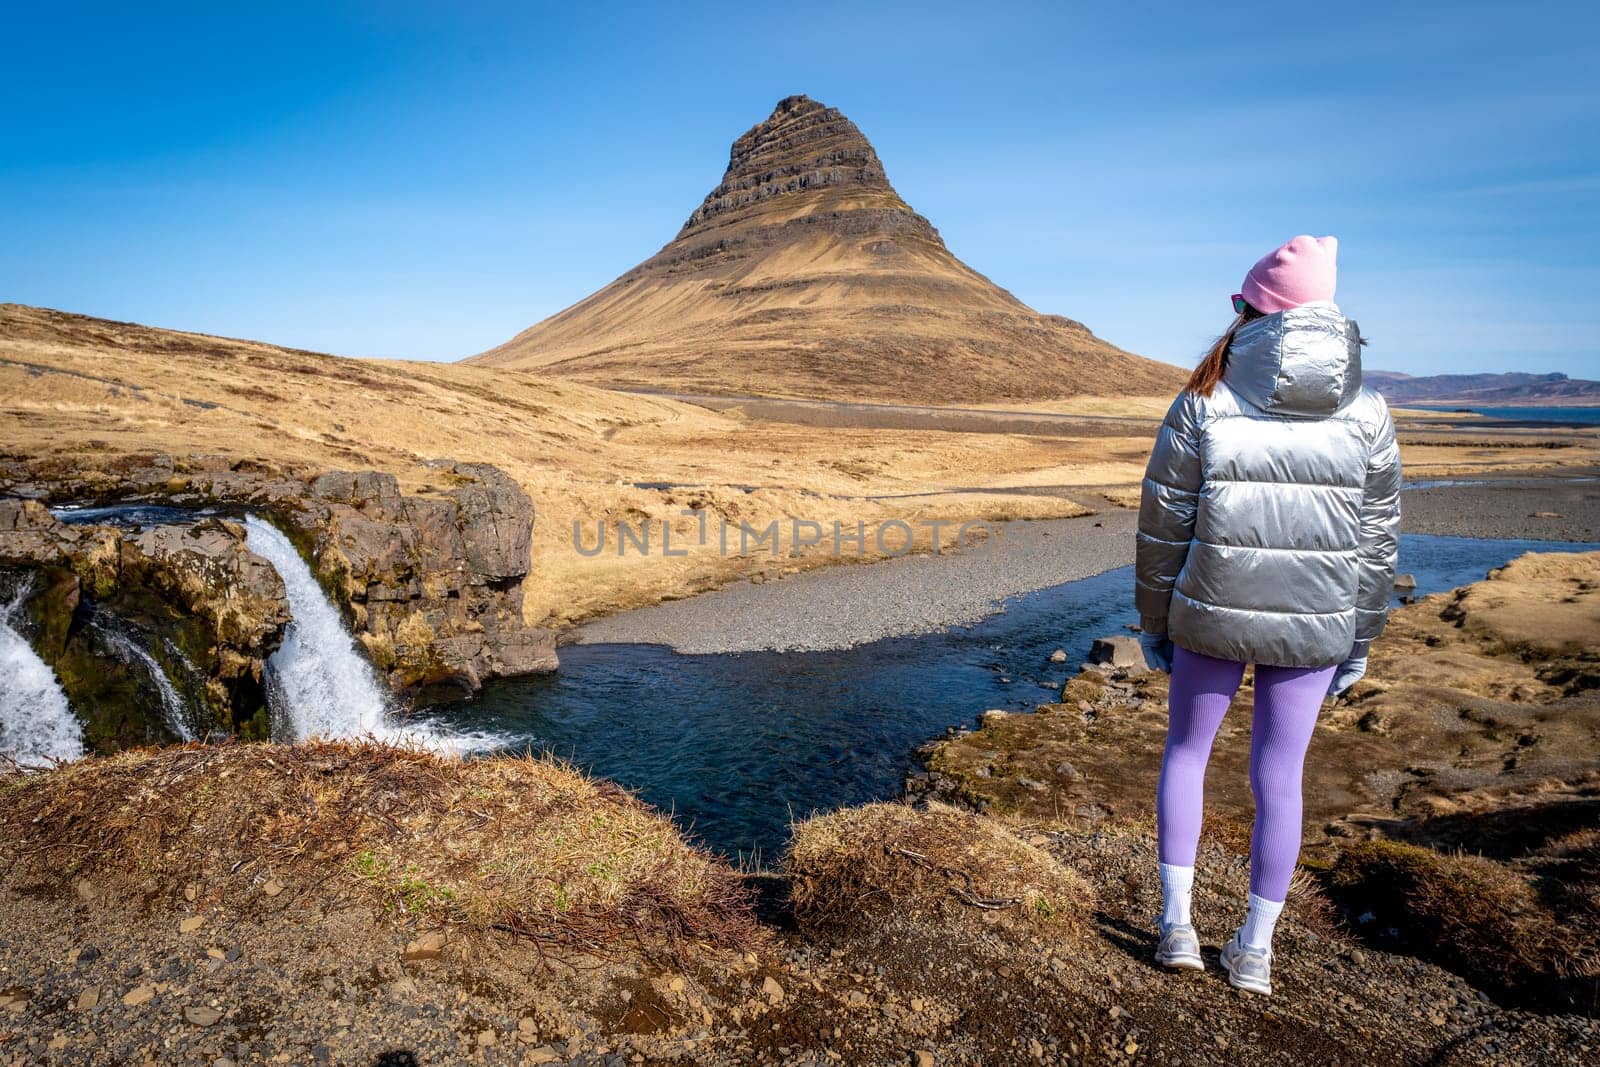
(1271,509)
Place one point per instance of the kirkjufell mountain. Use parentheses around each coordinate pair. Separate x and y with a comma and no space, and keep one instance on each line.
(804,274)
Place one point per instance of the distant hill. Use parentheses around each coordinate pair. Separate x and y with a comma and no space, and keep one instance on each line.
(1485,389)
(804,274)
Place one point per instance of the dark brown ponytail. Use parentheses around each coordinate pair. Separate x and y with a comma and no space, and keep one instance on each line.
(1206,376)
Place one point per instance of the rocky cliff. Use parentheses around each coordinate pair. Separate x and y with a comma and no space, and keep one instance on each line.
(430,582)
(192,598)
(803,273)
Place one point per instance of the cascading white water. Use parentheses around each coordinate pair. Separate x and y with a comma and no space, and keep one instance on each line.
(172,705)
(321,686)
(327,689)
(36,724)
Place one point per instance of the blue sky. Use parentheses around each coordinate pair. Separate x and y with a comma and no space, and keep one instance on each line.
(424,181)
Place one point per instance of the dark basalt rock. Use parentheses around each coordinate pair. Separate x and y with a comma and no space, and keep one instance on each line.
(431,582)
(192,596)
(801,145)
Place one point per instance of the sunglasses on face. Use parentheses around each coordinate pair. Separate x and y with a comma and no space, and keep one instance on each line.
(1239,304)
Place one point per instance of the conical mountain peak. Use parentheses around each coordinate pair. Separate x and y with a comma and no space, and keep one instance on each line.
(804,274)
(802,145)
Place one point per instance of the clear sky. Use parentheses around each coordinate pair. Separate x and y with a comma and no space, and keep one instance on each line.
(424,181)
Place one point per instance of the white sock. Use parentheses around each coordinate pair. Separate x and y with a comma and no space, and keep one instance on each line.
(1259,922)
(1176,884)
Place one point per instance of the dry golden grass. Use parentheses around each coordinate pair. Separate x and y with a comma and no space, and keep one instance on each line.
(1540,604)
(78,390)
(856,864)
(1481,917)
(520,845)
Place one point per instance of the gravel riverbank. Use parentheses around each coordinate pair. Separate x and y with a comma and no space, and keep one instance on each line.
(843,606)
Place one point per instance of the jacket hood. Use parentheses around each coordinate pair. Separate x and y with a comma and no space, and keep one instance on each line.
(1304,362)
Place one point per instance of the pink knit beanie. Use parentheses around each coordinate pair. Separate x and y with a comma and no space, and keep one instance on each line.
(1303,270)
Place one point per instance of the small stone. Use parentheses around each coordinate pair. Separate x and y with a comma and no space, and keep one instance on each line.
(1405,581)
(993,716)
(526,1024)
(190,892)
(216,953)
(1117,651)
(202,1014)
(916,1003)
(543,1054)
(1357,957)
(59,1042)
(1058,656)
(677,984)
(772,990)
(430,946)
(191,924)
(272,887)
(486,1038)
(89,998)
(138,995)
(922,1058)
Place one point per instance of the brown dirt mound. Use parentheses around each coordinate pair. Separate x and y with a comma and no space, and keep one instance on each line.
(521,845)
(1540,604)
(854,864)
(1529,929)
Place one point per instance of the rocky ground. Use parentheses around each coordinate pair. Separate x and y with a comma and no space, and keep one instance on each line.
(1453,793)
(95,979)
(252,904)
(1490,689)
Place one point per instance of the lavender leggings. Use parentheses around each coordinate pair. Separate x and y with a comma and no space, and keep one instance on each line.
(1286,705)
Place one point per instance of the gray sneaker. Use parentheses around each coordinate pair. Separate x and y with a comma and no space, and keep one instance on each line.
(1179,948)
(1248,968)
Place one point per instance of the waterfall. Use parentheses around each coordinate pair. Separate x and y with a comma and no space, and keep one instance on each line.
(36,725)
(173,709)
(321,686)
